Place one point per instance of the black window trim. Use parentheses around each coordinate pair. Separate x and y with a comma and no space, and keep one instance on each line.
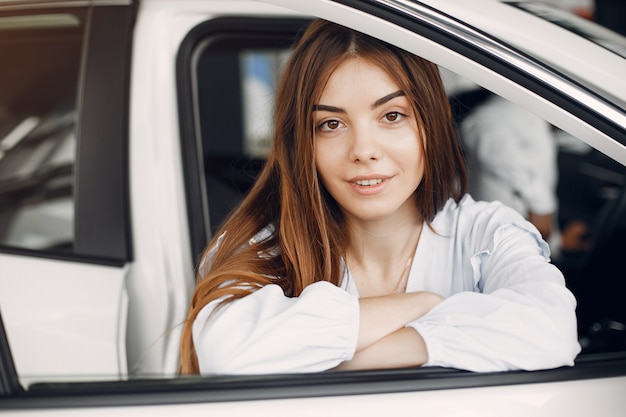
(102,222)
(188,390)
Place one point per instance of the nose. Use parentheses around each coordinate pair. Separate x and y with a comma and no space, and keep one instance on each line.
(363,144)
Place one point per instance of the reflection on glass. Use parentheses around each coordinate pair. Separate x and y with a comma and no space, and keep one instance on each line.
(38,88)
(259,75)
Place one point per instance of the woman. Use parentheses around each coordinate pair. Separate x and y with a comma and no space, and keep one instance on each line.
(357,247)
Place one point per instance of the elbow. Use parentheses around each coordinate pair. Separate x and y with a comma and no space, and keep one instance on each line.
(555,341)
(557,353)
(556,345)
(565,348)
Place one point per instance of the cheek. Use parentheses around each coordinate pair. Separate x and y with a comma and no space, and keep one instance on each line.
(413,159)
(407,145)
(324,159)
(419,152)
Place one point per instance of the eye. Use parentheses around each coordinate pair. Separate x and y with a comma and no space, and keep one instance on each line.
(393,117)
(329,125)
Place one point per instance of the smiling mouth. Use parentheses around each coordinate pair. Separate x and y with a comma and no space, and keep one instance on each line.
(368,183)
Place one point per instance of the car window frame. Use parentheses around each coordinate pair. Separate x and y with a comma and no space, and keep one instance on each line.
(587,366)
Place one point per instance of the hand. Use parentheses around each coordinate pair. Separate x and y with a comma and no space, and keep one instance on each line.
(575,237)
(543,223)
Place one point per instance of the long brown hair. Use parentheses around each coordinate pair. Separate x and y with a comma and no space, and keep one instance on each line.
(309,238)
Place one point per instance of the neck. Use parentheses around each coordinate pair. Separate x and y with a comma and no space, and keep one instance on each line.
(382,240)
(380,254)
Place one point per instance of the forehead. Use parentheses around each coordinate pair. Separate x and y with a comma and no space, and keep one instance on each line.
(358,77)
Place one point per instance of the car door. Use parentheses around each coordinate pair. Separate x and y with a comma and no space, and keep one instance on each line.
(64,236)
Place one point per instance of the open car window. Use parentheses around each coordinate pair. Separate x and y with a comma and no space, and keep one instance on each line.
(572,192)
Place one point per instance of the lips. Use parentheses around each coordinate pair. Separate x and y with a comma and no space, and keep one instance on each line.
(368,183)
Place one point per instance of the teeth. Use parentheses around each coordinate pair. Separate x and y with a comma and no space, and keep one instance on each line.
(368,183)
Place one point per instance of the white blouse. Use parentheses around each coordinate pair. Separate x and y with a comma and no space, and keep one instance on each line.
(506,307)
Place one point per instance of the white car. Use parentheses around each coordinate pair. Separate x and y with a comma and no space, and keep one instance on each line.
(128,129)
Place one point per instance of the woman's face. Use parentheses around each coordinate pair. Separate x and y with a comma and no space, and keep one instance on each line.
(368,149)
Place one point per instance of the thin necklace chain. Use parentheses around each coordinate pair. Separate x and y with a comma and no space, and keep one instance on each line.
(405,270)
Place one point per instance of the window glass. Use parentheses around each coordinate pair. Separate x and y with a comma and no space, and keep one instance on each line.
(38,88)
(260,70)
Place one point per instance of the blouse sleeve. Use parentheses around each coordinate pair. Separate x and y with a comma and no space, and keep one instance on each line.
(521,316)
(267,332)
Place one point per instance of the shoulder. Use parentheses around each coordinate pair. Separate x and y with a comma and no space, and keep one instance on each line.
(482,224)
(470,213)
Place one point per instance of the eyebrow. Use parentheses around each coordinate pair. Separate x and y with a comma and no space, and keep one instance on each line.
(387,98)
(377,103)
(332,109)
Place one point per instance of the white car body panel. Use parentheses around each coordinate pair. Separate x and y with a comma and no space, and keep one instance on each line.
(530,34)
(69,327)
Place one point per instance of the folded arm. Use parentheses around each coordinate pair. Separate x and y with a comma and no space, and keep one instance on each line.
(267,332)
(523,319)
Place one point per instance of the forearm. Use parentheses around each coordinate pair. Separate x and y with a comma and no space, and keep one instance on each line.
(402,348)
(381,316)
(267,332)
(502,331)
